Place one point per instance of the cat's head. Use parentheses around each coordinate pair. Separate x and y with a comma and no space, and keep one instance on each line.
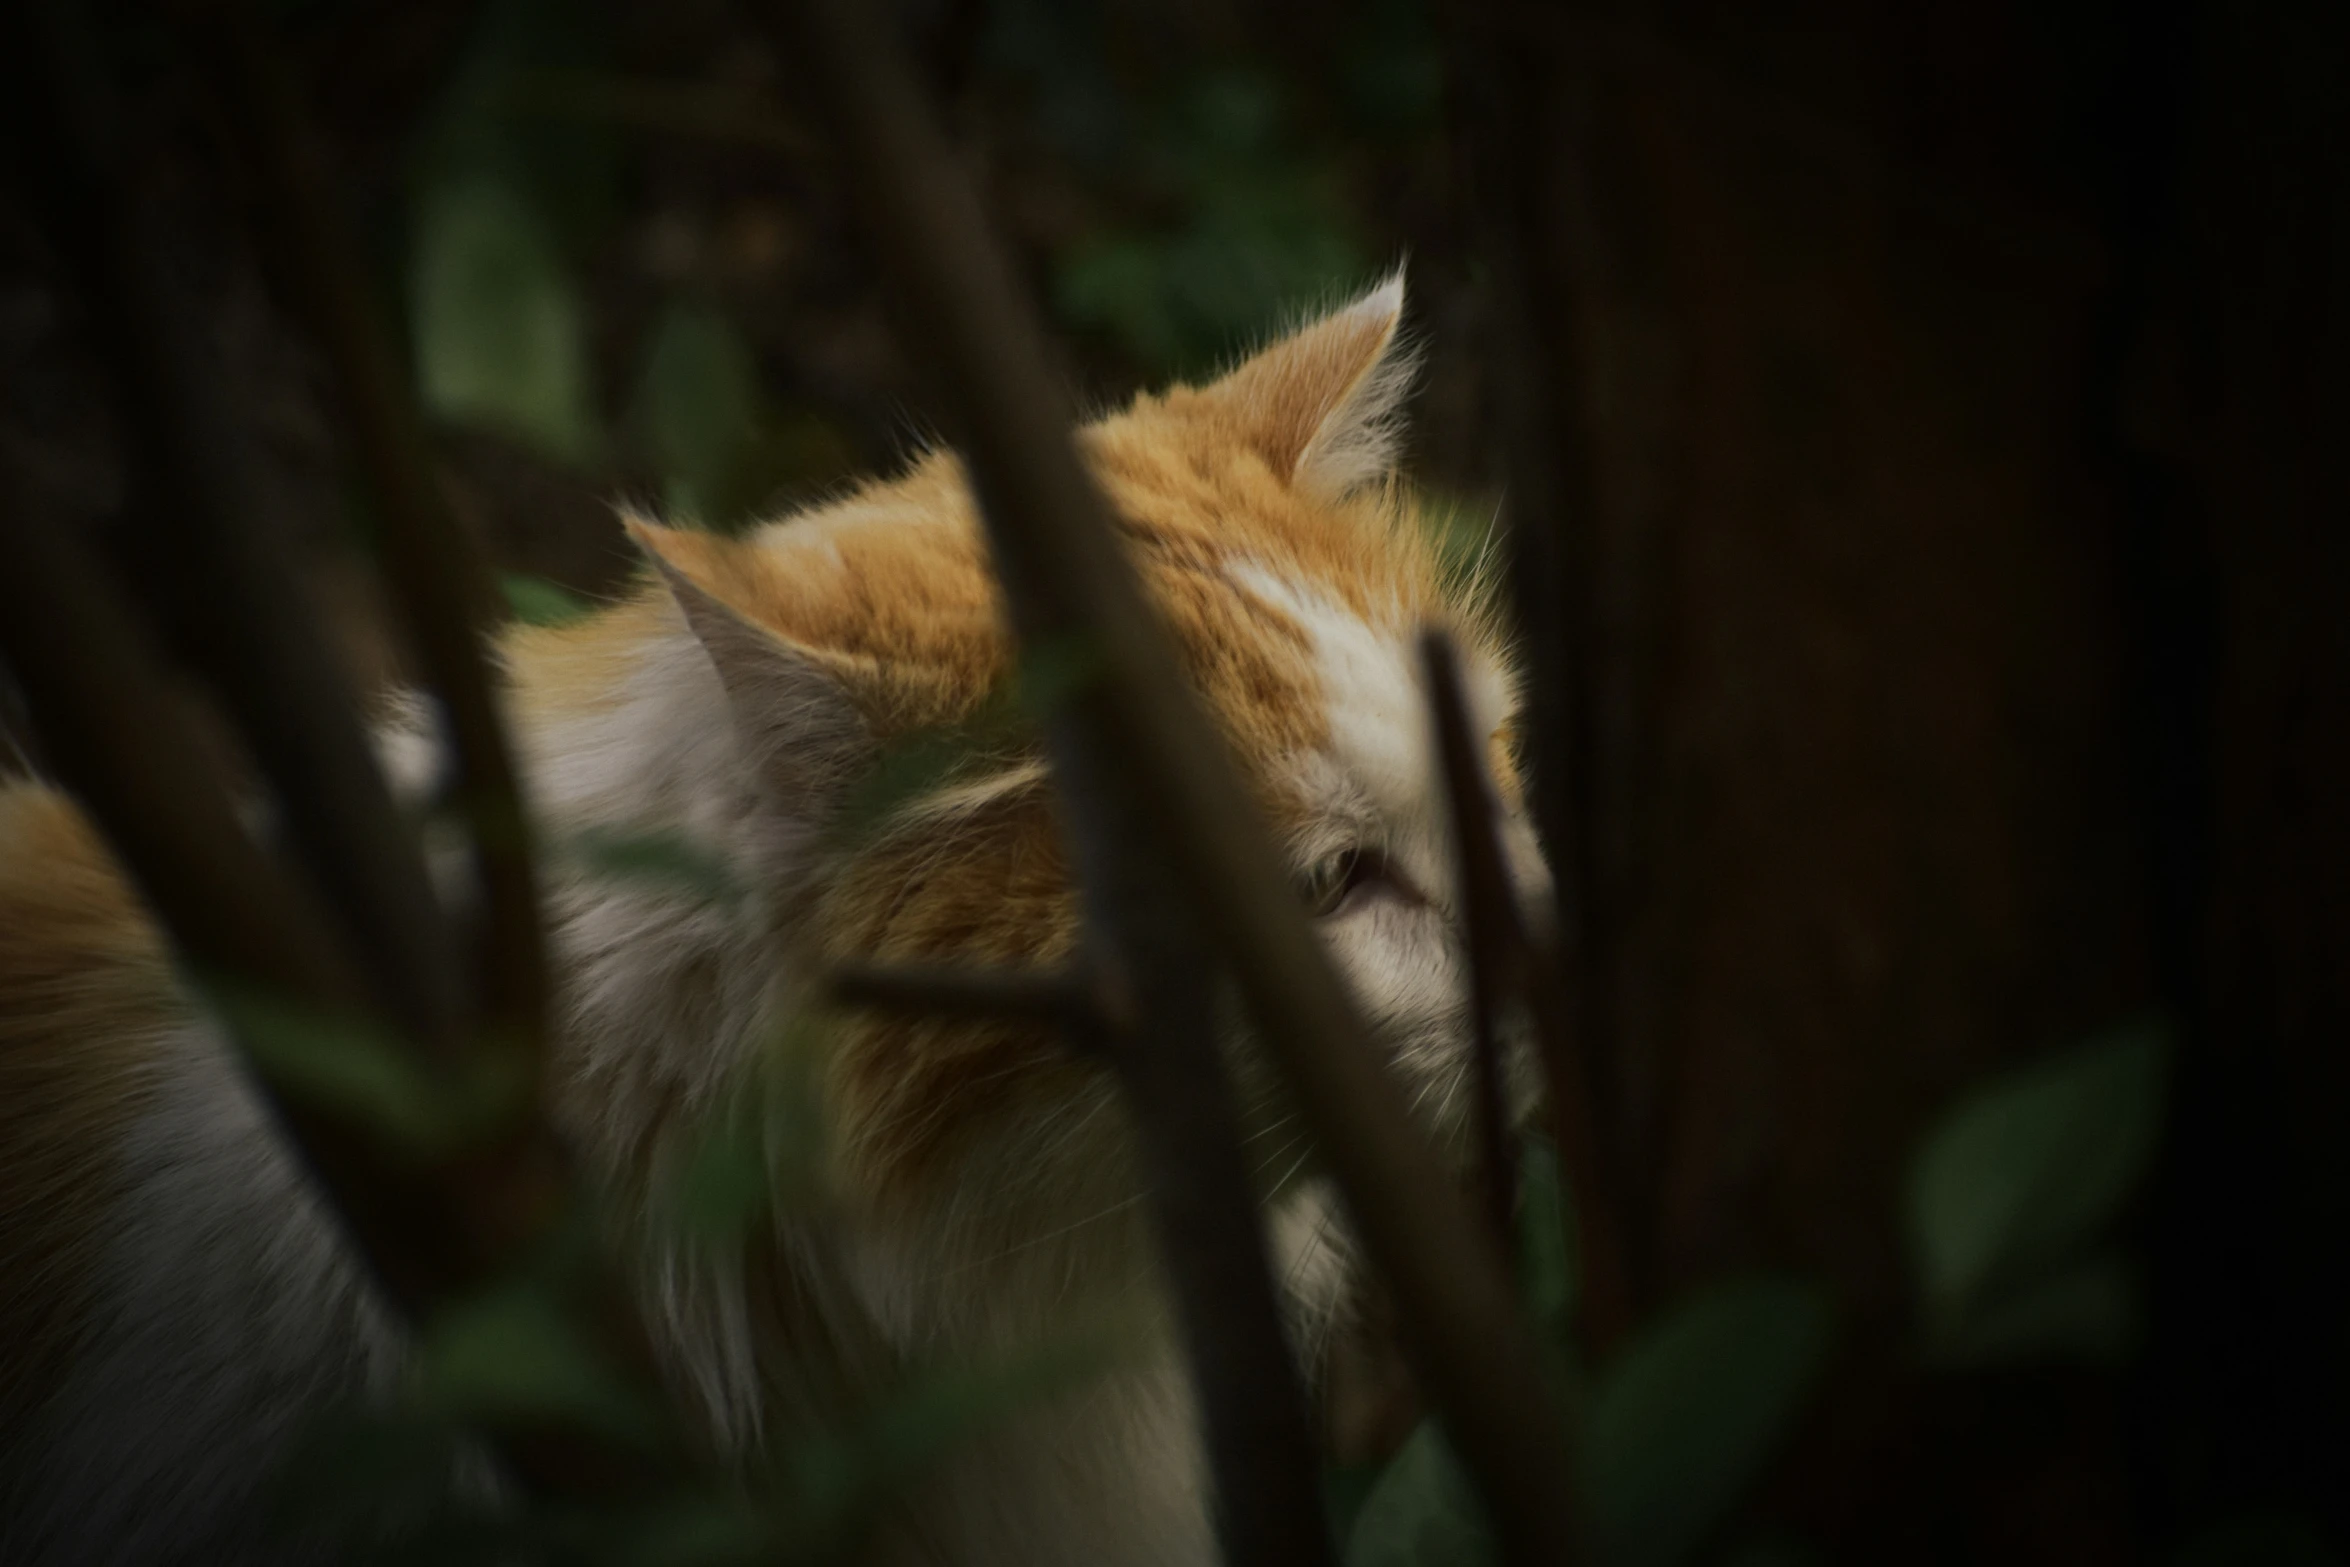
(1295,577)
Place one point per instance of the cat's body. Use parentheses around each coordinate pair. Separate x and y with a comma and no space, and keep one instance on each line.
(175,1300)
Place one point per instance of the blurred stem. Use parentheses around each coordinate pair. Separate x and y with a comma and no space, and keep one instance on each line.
(1153,796)
(114,726)
(433,1229)
(1496,946)
(435,568)
(1504,957)
(1525,110)
(1066,1000)
(221,571)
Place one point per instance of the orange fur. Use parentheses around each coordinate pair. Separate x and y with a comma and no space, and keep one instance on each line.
(890,590)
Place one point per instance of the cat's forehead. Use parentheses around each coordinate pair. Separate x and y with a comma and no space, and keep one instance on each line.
(1374,752)
(1298,621)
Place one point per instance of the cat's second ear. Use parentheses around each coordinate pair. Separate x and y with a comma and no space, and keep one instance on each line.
(793,714)
(1323,404)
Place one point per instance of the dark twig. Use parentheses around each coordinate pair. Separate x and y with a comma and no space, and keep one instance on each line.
(206,542)
(1506,957)
(1133,746)
(1525,113)
(434,566)
(1496,947)
(1261,1451)
(1062,999)
(116,733)
(114,728)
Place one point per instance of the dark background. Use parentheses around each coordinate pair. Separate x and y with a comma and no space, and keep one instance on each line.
(1969,381)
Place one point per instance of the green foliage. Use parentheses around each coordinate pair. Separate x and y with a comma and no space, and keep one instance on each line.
(1685,1419)
(698,402)
(359,1068)
(2083,1310)
(1671,1433)
(1262,227)
(831,1485)
(1546,1239)
(499,332)
(760,1151)
(501,209)
(2013,1196)
(1218,206)
(1421,1511)
(568,172)
(914,766)
(517,1356)
(537,602)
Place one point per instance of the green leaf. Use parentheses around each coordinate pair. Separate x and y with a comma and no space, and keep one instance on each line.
(1345,1488)
(514,1355)
(661,861)
(359,1068)
(721,1530)
(1050,674)
(723,1186)
(537,602)
(2029,1168)
(2086,1311)
(499,332)
(1546,1242)
(832,1486)
(352,1465)
(699,400)
(1685,1419)
(917,765)
(1421,1512)
(570,169)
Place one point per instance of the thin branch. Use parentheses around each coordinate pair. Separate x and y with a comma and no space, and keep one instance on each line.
(433,565)
(1525,110)
(1064,1000)
(121,741)
(117,734)
(1505,957)
(1496,946)
(1134,738)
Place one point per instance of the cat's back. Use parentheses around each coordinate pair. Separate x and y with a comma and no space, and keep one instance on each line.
(85,1003)
(172,1296)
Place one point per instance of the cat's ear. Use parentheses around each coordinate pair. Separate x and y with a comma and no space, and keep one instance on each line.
(1323,404)
(794,715)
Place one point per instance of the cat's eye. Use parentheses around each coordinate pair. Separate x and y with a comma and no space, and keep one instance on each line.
(1336,880)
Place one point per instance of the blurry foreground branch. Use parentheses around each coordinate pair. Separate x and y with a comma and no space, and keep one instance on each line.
(352,973)
(1524,120)
(1505,960)
(1144,775)
(435,569)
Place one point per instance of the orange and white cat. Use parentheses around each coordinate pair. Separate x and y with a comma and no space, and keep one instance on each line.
(175,1302)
